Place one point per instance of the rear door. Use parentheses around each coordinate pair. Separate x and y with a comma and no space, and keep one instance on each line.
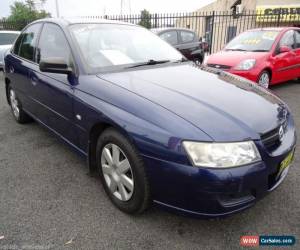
(21,62)
(53,92)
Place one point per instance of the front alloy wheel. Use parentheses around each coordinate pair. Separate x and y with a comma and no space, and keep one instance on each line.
(122,172)
(264,79)
(117,172)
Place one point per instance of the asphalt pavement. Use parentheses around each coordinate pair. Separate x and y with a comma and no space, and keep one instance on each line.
(48,200)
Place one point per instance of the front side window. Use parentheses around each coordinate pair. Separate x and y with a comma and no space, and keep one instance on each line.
(107,47)
(288,39)
(53,43)
(256,41)
(28,43)
(186,36)
(7,38)
(297,39)
(170,37)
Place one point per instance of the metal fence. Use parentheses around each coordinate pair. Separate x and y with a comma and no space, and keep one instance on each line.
(216,28)
(7,25)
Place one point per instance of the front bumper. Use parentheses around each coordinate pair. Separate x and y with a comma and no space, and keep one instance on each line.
(252,74)
(204,192)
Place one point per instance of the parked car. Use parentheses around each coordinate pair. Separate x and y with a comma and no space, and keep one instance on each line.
(267,56)
(7,38)
(184,40)
(152,125)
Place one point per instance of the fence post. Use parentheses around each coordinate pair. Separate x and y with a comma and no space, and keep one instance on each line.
(212,32)
(278,18)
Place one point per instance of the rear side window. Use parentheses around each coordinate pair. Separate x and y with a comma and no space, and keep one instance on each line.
(28,43)
(187,36)
(170,37)
(7,38)
(53,43)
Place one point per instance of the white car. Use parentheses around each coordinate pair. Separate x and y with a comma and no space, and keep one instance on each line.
(7,38)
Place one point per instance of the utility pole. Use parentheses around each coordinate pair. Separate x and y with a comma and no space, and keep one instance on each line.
(57,8)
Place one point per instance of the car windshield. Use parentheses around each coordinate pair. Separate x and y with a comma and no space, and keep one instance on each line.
(258,40)
(113,46)
(7,38)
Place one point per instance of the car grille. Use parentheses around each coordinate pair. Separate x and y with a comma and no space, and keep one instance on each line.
(271,139)
(219,66)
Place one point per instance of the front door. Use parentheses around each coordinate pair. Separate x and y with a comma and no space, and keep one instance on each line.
(284,63)
(53,92)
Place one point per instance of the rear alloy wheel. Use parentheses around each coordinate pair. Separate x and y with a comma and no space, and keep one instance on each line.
(16,108)
(122,172)
(264,79)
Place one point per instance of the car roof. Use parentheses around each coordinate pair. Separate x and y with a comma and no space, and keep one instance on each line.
(159,30)
(274,28)
(10,31)
(70,21)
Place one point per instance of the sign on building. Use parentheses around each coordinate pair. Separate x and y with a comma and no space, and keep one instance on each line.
(271,13)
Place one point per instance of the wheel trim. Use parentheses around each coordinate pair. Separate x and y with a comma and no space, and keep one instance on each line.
(14,104)
(117,172)
(264,80)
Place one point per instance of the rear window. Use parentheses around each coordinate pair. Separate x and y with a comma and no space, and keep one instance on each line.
(7,38)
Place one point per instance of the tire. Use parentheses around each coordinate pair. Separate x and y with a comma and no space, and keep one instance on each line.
(16,107)
(136,196)
(264,79)
(198,60)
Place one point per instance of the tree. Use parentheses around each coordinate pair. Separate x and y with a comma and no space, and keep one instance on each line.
(24,12)
(145,19)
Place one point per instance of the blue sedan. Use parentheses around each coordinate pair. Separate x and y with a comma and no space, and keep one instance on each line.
(153,126)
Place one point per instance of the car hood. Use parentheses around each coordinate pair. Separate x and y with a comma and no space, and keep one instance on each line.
(232,58)
(224,106)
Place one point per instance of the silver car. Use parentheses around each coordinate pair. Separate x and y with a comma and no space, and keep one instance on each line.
(7,38)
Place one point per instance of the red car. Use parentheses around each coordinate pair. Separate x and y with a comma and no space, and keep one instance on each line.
(267,55)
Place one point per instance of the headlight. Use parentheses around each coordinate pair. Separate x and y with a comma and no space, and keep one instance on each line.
(246,64)
(221,155)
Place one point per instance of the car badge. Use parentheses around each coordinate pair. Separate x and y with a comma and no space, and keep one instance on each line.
(280,133)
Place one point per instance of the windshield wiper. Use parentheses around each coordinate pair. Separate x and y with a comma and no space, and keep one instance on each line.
(237,49)
(150,62)
(259,50)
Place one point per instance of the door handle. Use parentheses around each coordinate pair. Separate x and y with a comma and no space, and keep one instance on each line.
(34,80)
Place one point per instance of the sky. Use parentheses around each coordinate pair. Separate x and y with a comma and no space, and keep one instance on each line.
(75,8)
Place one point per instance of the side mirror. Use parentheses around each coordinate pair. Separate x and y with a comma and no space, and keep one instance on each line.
(55,65)
(284,49)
